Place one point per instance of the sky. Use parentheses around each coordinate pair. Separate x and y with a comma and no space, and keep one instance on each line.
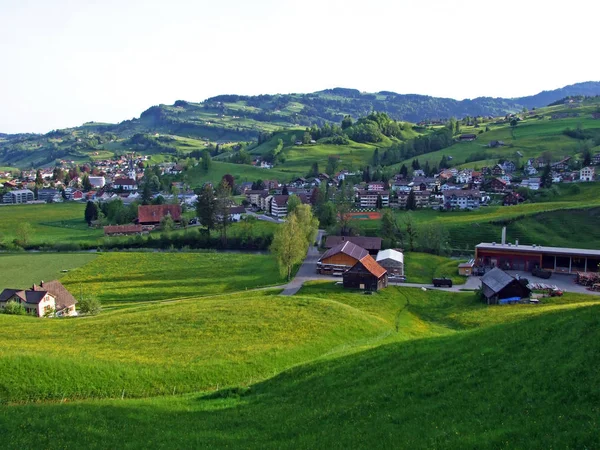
(66,62)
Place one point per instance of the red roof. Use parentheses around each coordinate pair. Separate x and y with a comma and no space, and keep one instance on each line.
(122,229)
(372,266)
(149,214)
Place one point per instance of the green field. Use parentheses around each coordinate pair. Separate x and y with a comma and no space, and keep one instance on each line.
(422,267)
(326,368)
(241,172)
(122,278)
(24,269)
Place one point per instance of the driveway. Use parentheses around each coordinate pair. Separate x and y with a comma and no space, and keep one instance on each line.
(564,282)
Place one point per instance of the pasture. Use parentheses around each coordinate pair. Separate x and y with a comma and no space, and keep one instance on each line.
(130,277)
(353,369)
(21,270)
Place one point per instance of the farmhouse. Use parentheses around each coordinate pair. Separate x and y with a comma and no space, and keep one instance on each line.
(498,285)
(46,299)
(153,214)
(371,244)
(526,257)
(366,274)
(392,261)
(340,258)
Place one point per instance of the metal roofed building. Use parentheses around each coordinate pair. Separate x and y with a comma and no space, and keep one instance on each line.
(392,261)
(527,257)
(497,285)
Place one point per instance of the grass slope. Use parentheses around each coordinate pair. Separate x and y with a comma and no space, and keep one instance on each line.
(523,376)
(122,278)
(22,270)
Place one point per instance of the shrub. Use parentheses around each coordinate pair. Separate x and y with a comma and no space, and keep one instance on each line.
(89,305)
(14,308)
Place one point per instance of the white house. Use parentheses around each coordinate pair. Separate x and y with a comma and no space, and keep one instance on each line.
(47,299)
(587,174)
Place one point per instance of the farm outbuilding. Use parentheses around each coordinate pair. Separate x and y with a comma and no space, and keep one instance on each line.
(371,244)
(392,261)
(498,285)
(466,268)
(340,258)
(366,274)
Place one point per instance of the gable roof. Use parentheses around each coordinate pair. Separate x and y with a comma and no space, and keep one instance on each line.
(237,210)
(33,297)
(370,243)
(370,266)
(154,213)
(494,281)
(348,248)
(63,298)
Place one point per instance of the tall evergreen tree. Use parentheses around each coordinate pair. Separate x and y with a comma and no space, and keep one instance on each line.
(206,207)
(411,202)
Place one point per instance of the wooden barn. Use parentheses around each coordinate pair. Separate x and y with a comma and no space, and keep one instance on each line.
(340,258)
(367,275)
(371,244)
(153,214)
(498,285)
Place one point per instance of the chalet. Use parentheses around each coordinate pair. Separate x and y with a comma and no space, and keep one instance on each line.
(298,182)
(368,199)
(12,184)
(467,137)
(418,173)
(18,196)
(122,230)
(509,166)
(50,298)
(392,261)
(462,199)
(340,258)
(464,176)
(323,177)
(497,170)
(271,184)
(366,274)
(371,244)
(498,285)
(151,215)
(498,185)
(127,184)
(587,174)
(561,165)
(512,198)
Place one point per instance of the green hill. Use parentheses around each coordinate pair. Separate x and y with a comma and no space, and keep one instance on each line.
(399,369)
(187,126)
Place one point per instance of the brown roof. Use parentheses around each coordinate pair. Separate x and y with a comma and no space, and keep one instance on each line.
(148,214)
(122,229)
(237,210)
(372,266)
(281,199)
(348,248)
(62,296)
(124,182)
(370,243)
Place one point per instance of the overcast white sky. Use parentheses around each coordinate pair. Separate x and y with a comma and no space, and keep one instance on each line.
(65,62)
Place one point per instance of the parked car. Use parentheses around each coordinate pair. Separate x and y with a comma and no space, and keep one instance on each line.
(541,273)
(439,282)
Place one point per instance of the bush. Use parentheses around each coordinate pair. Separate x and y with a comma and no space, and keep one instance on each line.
(89,305)
(67,247)
(14,308)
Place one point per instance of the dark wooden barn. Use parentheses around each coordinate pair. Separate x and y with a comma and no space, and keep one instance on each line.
(498,285)
(366,274)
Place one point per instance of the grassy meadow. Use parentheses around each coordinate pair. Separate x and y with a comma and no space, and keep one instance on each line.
(422,267)
(121,278)
(355,371)
(21,270)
